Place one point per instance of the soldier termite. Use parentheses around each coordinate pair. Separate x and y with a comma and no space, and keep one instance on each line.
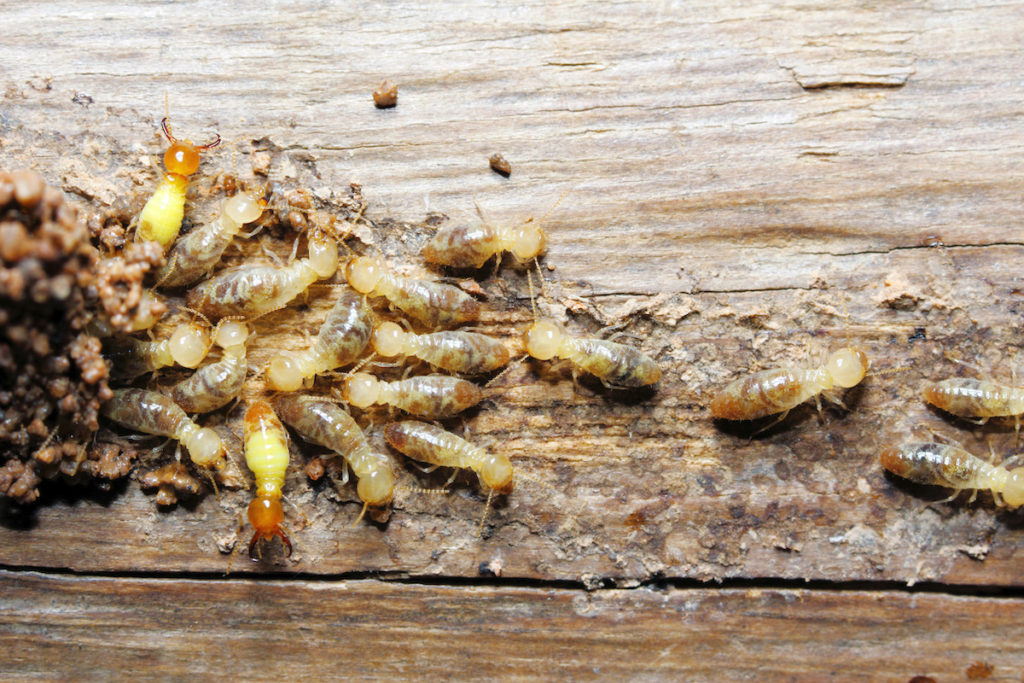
(252,290)
(432,303)
(216,384)
(343,336)
(430,444)
(266,454)
(326,424)
(941,464)
(150,412)
(196,254)
(430,396)
(468,353)
(160,219)
(780,390)
(130,357)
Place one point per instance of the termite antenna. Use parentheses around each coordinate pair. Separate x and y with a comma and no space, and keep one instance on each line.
(165,125)
(362,513)
(483,517)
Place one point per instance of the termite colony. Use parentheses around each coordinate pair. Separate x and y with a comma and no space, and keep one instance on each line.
(180,327)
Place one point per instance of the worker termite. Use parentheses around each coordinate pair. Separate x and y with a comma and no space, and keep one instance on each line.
(215,385)
(431,303)
(153,413)
(464,352)
(780,390)
(130,357)
(252,290)
(617,365)
(343,336)
(430,396)
(976,398)
(433,445)
(326,424)
(941,464)
(160,219)
(469,246)
(196,254)
(266,454)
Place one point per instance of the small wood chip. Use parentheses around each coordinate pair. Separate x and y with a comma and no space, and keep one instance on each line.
(386,95)
(500,165)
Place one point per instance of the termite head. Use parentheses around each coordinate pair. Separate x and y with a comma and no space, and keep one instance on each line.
(323,254)
(378,486)
(543,339)
(496,473)
(206,449)
(286,373)
(1013,493)
(267,516)
(182,157)
(848,367)
(528,240)
(189,344)
(364,273)
(388,339)
(244,207)
(231,334)
(362,390)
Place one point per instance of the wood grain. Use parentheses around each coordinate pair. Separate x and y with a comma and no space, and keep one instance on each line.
(744,186)
(175,629)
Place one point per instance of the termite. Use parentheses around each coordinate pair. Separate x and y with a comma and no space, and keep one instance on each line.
(154,413)
(976,398)
(432,303)
(130,357)
(433,445)
(430,396)
(343,336)
(160,219)
(464,246)
(942,464)
(780,390)
(196,254)
(252,290)
(266,454)
(617,365)
(326,424)
(217,384)
(463,352)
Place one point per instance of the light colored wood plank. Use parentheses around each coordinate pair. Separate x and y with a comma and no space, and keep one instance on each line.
(720,208)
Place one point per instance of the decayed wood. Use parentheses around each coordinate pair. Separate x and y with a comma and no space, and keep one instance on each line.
(173,629)
(727,197)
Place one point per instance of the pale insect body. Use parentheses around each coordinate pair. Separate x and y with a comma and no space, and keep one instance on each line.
(780,390)
(252,290)
(615,364)
(430,396)
(196,254)
(217,384)
(130,357)
(329,425)
(343,336)
(266,454)
(945,465)
(462,246)
(153,413)
(433,445)
(463,352)
(432,303)
(160,219)
(975,398)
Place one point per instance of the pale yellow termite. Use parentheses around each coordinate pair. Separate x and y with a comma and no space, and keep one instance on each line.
(252,290)
(160,219)
(196,254)
(432,303)
(153,413)
(464,246)
(430,396)
(463,352)
(266,454)
(617,365)
(216,384)
(130,357)
(941,464)
(976,398)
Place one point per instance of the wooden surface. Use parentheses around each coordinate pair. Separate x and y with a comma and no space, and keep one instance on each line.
(737,178)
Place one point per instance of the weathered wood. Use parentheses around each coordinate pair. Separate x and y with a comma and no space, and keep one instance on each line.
(101,628)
